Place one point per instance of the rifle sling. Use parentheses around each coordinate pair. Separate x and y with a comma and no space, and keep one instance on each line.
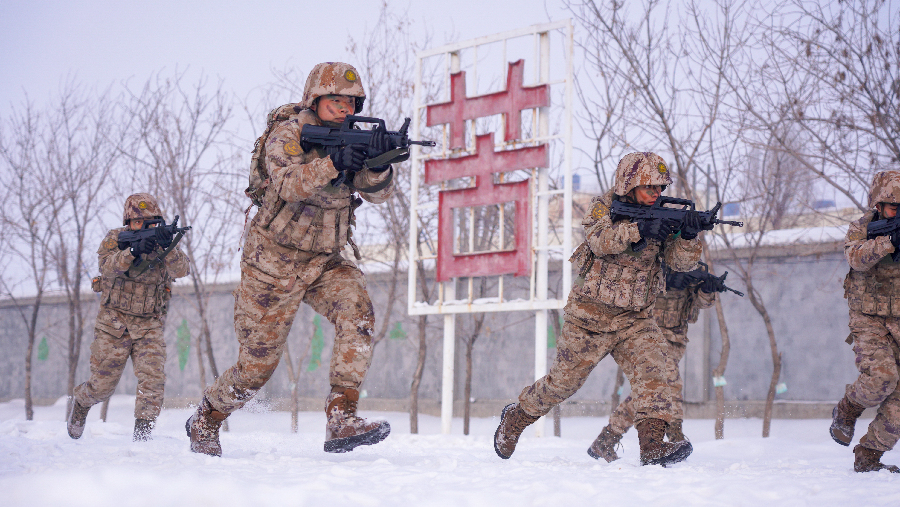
(136,271)
(389,157)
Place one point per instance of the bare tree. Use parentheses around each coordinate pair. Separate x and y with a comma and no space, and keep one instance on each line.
(28,215)
(80,159)
(180,150)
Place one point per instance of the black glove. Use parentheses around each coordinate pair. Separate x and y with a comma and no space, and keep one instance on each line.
(163,236)
(380,144)
(677,280)
(895,240)
(122,245)
(712,284)
(691,225)
(348,160)
(656,228)
(144,246)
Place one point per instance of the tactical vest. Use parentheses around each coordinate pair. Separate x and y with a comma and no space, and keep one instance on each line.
(145,296)
(876,291)
(674,309)
(627,280)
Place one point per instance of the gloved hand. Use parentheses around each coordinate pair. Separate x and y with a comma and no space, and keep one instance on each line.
(379,144)
(348,161)
(677,280)
(713,284)
(163,236)
(895,240)
(656,228)
(144,246)
(691,225)
(122,245)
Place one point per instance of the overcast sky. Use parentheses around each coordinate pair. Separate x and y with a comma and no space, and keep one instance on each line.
(100,42)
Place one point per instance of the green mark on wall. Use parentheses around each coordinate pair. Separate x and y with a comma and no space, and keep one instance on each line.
(318,343)
(43,349)
(184,344)
(397,333)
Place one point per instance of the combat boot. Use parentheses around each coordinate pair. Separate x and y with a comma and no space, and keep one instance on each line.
(655,451)
(513,421)
(75,421)
(344,430)
(142,429)
(869,460)
(203,429)
(674,431)
(605,445)
(843,420)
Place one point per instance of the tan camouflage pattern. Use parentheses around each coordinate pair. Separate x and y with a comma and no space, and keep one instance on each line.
(141,207)
(885,188)
(872,286)
(292,255)
(872,289)
(615,318)
(119,335)
(640,168)
(875,343)
(674,310)
(333,78)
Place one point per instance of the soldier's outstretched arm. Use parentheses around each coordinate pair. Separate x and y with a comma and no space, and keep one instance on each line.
(292,179)
(682,254)
(177,263)
(604,236)
(861,253)
(383,181)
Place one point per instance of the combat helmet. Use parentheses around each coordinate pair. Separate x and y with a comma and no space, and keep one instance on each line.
(333,78)
(640,168)
(885,188)
(141,207)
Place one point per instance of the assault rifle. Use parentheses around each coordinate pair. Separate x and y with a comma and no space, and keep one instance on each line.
(131,239)
(886,227)
(334,139)
(681,280)
(639,212)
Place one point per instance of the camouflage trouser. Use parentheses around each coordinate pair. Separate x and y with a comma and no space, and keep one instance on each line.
(639,349)
(622,417)
(263,314)
(147,350)
(878,362)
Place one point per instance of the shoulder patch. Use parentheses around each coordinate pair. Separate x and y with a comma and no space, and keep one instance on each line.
(599,210)
(292,148)
(109,243)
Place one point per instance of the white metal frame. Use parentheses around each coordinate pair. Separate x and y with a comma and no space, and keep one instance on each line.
(447,304)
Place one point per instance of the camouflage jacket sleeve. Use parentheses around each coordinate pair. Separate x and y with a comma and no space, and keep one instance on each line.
(682,254)
(702,300)
(295,174)
(861,253)
(177,263)
(368,179)
(112,260)
(604,236)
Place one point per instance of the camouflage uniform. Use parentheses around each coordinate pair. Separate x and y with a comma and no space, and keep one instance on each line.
(292,254)
(674,310)
(872,289)
(609,312)
(131,320)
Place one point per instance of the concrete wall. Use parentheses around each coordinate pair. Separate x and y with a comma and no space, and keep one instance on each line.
(801,287)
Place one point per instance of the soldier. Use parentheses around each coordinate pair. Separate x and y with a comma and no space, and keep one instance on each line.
(609,312)
(130,322)
(872,288)
(679,306)
(292,254)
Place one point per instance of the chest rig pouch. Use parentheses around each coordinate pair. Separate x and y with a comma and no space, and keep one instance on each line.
(629,280)
(671,309)
(315,225)
(876,291)
(144,296)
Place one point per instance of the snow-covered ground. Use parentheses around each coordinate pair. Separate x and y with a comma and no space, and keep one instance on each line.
(265,464)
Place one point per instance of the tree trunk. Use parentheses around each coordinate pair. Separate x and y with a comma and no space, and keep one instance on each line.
(557,416)
(467,391)
(776,357)
(417,377)
(616,397)
(104,409)
(29,352)
(720,371)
